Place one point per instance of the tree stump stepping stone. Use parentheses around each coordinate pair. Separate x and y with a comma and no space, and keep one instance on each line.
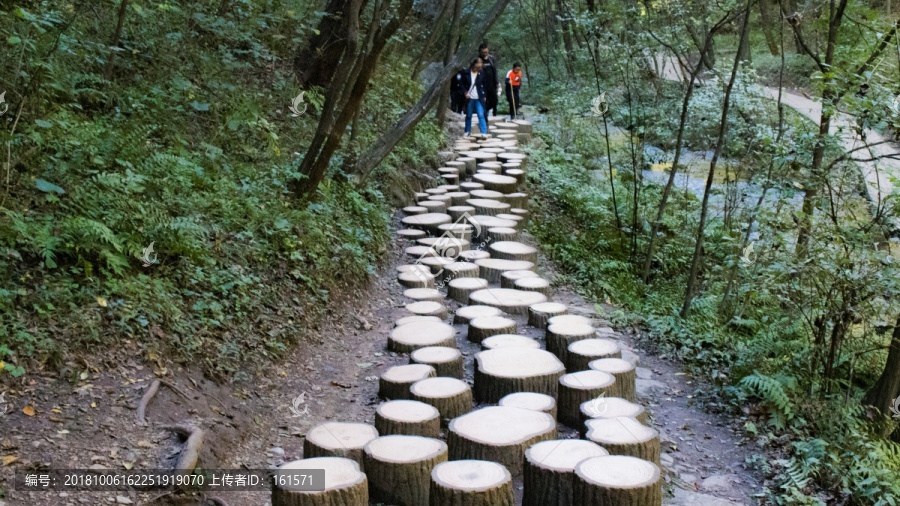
(507,125)
(420,196)
(460,289)
(433,206)
(413,268)
(470,186)
(549,470)
(459,270)
(414,210)
(411,234)
(539,313)
(395,382)
(521,212)
(530,400)
(431,294)
(458,198)
(492,268)
(488,194)
(399,468)
(560,335)
(499,434)
(512,157)
(570,319)
(416,318)
(581,353)
(452,179)
(472,255)
(488,207)
(428,222)
(494,167)
(519,201)
(504,371)
(345,484)
(435,191)
(482,328)
(513,250)
(611,407)
(471,483)
(459,212)
(518,174)
(457,164)
(524,125)
(457,231)
(539,285)
(624,435)
(446,361)
(623,371)
(509,278)
(466,314)
(502,234)
(453,171)
(619,480)
(408,417)
(418,252)
(497,182)
(514,302)
(576,388)
(470,164)
(509,341)
(483,223)
(445,198)
(416,279)
(445,246)
(428,308)
(512,217)
(451,396)
(338,439)
(412,336)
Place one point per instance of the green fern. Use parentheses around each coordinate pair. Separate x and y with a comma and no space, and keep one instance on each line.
(774,393)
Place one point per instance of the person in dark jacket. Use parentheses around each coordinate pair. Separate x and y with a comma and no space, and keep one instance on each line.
(491,78)
(457,97)
(472,88)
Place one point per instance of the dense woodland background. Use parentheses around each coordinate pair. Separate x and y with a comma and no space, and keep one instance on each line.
(767,270)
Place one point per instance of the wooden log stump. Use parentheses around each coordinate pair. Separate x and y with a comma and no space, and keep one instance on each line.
(450,188)
(560,335)
(492,268)
(399,468)
(435,264)
(582,353)
(512,250)
(395,382)
(457,164)
(539,285)
(412,336)
(504,371)
(446,361)
(549,470)
(512,217)
(508,278)
(410,234)
(434,206)
(539,313)
(488,207)
(345,484)
(517,200)
(494,167)
(415,318)
(530,400)
(473,255)
(424,294)
(523,138)
(518,174)
(460,231)
(459,270)
(460,289)
(452,179)
(451,396)
(471,483)
(338,439)
(514,302)
(466,314)
(428,222)
(569,319)
(459,212)
(610,407)
(416,279)
(483,223)
(445,198)
(413,268)
(458,198)
(412,418)
(454,171)
(623,371)
(470,164)
(418,252)
(576,388)
(421,196)
(488,194)
(482,328)
(499,434)
(428,308)
(509,341)
(470,186)
(617,480)
(497,182)
(523,213)
(624,435)
(414,210)
(513,157)
(502,234)
(445,245)
(435,191)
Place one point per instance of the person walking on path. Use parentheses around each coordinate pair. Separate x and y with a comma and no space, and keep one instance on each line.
(513,82)
(471,85)
(491,78)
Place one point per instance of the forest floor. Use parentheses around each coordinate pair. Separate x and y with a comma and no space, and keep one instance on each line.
(261,423)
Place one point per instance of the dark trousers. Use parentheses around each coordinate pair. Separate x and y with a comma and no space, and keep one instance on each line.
(514,103)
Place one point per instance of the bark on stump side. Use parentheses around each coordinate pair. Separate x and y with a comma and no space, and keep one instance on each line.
(470,186)
(457,231)
(514,302)
(435,191)
(428,222)
(619,480)
(414,210)
(489,195)
(578,387)
(570,319)
(407,417)
(399,468)
(345,484)
(466,314)
(471,483)
(488,207)
(416,280)
(410,234)
(450,178)
(492,268)
(582,353)
(472,256)
(521,212)
(460,289)
(458,211)
(509,341)
(624,435)
(470,164)
(446,361)
(624,372)
(428,308)
(610,407)
(415,318)
(519,201)
(497,182)
(457,199)
(530,400)
(549,470)
(431,294)
(539,313)
(434,206)
(539,285)
(499,434)
(502,234)
(505,371)
(512,250)
(560,335)
(452,397)
(459,270)
(509,278)
(412,336)
(338,439)
(518,174)
(482,328)
(394,383)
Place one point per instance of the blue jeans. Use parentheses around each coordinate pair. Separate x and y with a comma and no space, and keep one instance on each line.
(482,122)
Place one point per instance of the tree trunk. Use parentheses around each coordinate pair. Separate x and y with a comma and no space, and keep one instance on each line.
(767,23)
(885,391)
(319,61)
(110,63)
(438,24)
(452,43)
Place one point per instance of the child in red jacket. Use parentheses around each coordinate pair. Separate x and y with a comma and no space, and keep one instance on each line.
(513,82)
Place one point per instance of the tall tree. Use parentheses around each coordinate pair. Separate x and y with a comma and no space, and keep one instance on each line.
(886,390)
(317,63)
(452,41)
(767,22)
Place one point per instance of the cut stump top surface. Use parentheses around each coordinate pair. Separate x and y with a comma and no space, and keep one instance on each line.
(338,435)
(439,387)
(518,362)
(563,454)
(509,341)
(607,407)
(403,449)
(339,472)
(548,307)
(611,365)
(416,318)
(492,322)
(426,220)
(512,248)
(470,475)
(502,425)
(528,400)
(587,380)
(408,373)
(594,347)
(507,265)
(506,297)
(424,307)
(476,311)
(569,319)
(435,354)
(406,410)
(618,430)
(617,471)
(423,333)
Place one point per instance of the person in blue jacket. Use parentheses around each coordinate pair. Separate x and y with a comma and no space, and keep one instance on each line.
(471,87)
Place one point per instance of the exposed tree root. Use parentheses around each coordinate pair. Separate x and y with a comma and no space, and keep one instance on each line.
(150,393)
(191,452)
